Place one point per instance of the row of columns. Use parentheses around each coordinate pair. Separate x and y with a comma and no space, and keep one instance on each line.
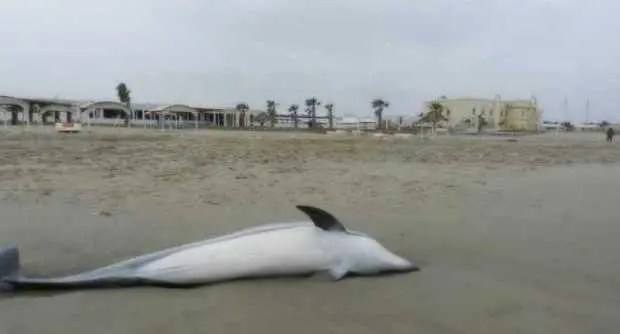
(228,118)
(69,114)
(24,116)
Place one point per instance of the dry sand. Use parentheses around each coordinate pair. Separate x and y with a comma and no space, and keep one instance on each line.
(512,237)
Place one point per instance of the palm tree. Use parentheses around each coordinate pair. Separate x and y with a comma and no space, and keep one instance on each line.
(435,114)
(262,118)
(379,105)
(311,105)
(272,113)
(124,96)
(292,110)
(243,108)
(330,114)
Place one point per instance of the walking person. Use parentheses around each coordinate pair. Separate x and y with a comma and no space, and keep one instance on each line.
(610,134)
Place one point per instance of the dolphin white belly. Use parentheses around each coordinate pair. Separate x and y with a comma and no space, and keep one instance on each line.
(288,251)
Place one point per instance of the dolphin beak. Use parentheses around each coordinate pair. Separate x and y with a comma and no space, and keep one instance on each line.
(406,266)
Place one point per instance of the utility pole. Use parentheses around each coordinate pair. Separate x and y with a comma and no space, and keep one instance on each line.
(588,111)
(565,107)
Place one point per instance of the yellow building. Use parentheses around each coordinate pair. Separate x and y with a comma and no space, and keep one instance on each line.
(499,115)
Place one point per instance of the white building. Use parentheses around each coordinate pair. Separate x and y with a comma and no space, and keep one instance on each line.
(515,115)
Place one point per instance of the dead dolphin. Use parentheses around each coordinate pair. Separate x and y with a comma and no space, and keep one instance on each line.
(323,245)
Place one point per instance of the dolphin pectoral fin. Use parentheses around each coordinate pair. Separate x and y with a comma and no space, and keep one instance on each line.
(335,273)
(331,275)
(322,219)
(338,272)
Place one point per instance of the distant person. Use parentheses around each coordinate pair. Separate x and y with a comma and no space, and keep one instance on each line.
(610,134)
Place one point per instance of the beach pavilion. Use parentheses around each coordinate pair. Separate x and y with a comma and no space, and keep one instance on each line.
(25,110)
(16,110)
(98,112)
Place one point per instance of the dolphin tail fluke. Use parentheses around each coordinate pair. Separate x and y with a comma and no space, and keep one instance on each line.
(9,264)
(9,261)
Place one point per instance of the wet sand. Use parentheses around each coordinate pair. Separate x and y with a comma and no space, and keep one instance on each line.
(512,237)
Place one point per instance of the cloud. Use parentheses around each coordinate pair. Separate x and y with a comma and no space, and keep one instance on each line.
(346,52)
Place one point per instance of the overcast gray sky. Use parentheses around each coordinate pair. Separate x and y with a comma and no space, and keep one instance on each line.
(342,51)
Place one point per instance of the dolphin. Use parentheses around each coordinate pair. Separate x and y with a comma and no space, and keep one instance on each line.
(321,246)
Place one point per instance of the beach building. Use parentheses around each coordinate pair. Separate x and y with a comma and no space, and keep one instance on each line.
(355,123)
(287,120)
(500,115)
(393,121)
(27,110)
(19,110)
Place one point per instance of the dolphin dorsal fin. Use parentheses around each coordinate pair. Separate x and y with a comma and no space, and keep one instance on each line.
(322,219)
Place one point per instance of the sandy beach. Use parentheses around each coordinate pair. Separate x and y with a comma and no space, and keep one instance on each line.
(512,237)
